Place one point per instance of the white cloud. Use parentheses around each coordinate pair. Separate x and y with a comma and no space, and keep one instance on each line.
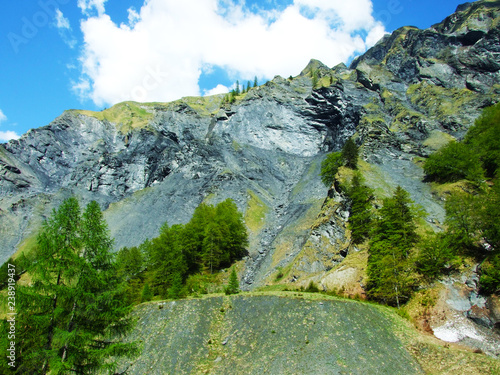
(61,21)
(87,6)
(133,16)
(8,135)
(219,89)
(161,53)
(64,28)
(2,116)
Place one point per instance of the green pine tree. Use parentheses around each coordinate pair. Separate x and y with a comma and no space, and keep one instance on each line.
(315,79)
(212,247)
(167,258)
(360,218)
(74,313)
(255,82)
(233,285)
(390,265)
(175,290)
(350,154)
(329,168)
(147,293)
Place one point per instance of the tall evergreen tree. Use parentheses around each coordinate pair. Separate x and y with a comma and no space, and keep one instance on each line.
(393,237)
(74,312)
(255,82)
(329,168)
(212,247)
(233,230)
(360,218)
(233,285)
(167,258)
(350,154)
(314,78)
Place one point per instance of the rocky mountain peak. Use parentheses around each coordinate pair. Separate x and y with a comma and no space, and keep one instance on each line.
(314,66)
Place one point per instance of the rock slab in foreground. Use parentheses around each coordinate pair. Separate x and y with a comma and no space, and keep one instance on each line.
(268,335)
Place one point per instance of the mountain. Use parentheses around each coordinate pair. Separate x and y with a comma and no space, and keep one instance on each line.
(148,163)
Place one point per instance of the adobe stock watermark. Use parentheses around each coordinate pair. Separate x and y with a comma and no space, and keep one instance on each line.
(11,316)
(394,7)
(31,25)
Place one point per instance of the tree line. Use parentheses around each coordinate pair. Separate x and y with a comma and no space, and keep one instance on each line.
(231,97)
(73,315)
(167,265)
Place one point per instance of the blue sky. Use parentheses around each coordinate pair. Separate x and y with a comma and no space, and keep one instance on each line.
(90,54)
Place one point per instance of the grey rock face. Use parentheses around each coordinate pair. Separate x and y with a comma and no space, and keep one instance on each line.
(399,100)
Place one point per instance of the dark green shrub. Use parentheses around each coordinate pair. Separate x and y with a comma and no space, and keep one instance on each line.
(454,162)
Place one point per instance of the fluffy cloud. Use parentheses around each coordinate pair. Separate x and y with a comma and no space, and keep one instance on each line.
(219,89)
(8,135)
(160,54)
(87,6)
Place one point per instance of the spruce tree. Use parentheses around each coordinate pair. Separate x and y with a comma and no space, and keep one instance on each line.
(390,266)
(350,154)
(255,82)
(147,293)
(212,247)
(314,79)
(233,285)
(175,290)
(360,218)
(74,313)
(329,168)
(167,258)
(233,230)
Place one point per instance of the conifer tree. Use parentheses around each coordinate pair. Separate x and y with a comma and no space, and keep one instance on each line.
(147,293)
(167,258)
(350,154)
(314,79)
(255,82)
(389,263)
(233,285)
(212,247)
(234,233)
(74,312)
(360,218)
(329,168)
(175,290)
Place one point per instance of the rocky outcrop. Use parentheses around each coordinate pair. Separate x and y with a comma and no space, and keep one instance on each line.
(462,315)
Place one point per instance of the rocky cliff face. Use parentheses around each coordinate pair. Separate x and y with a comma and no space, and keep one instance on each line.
(150,163)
